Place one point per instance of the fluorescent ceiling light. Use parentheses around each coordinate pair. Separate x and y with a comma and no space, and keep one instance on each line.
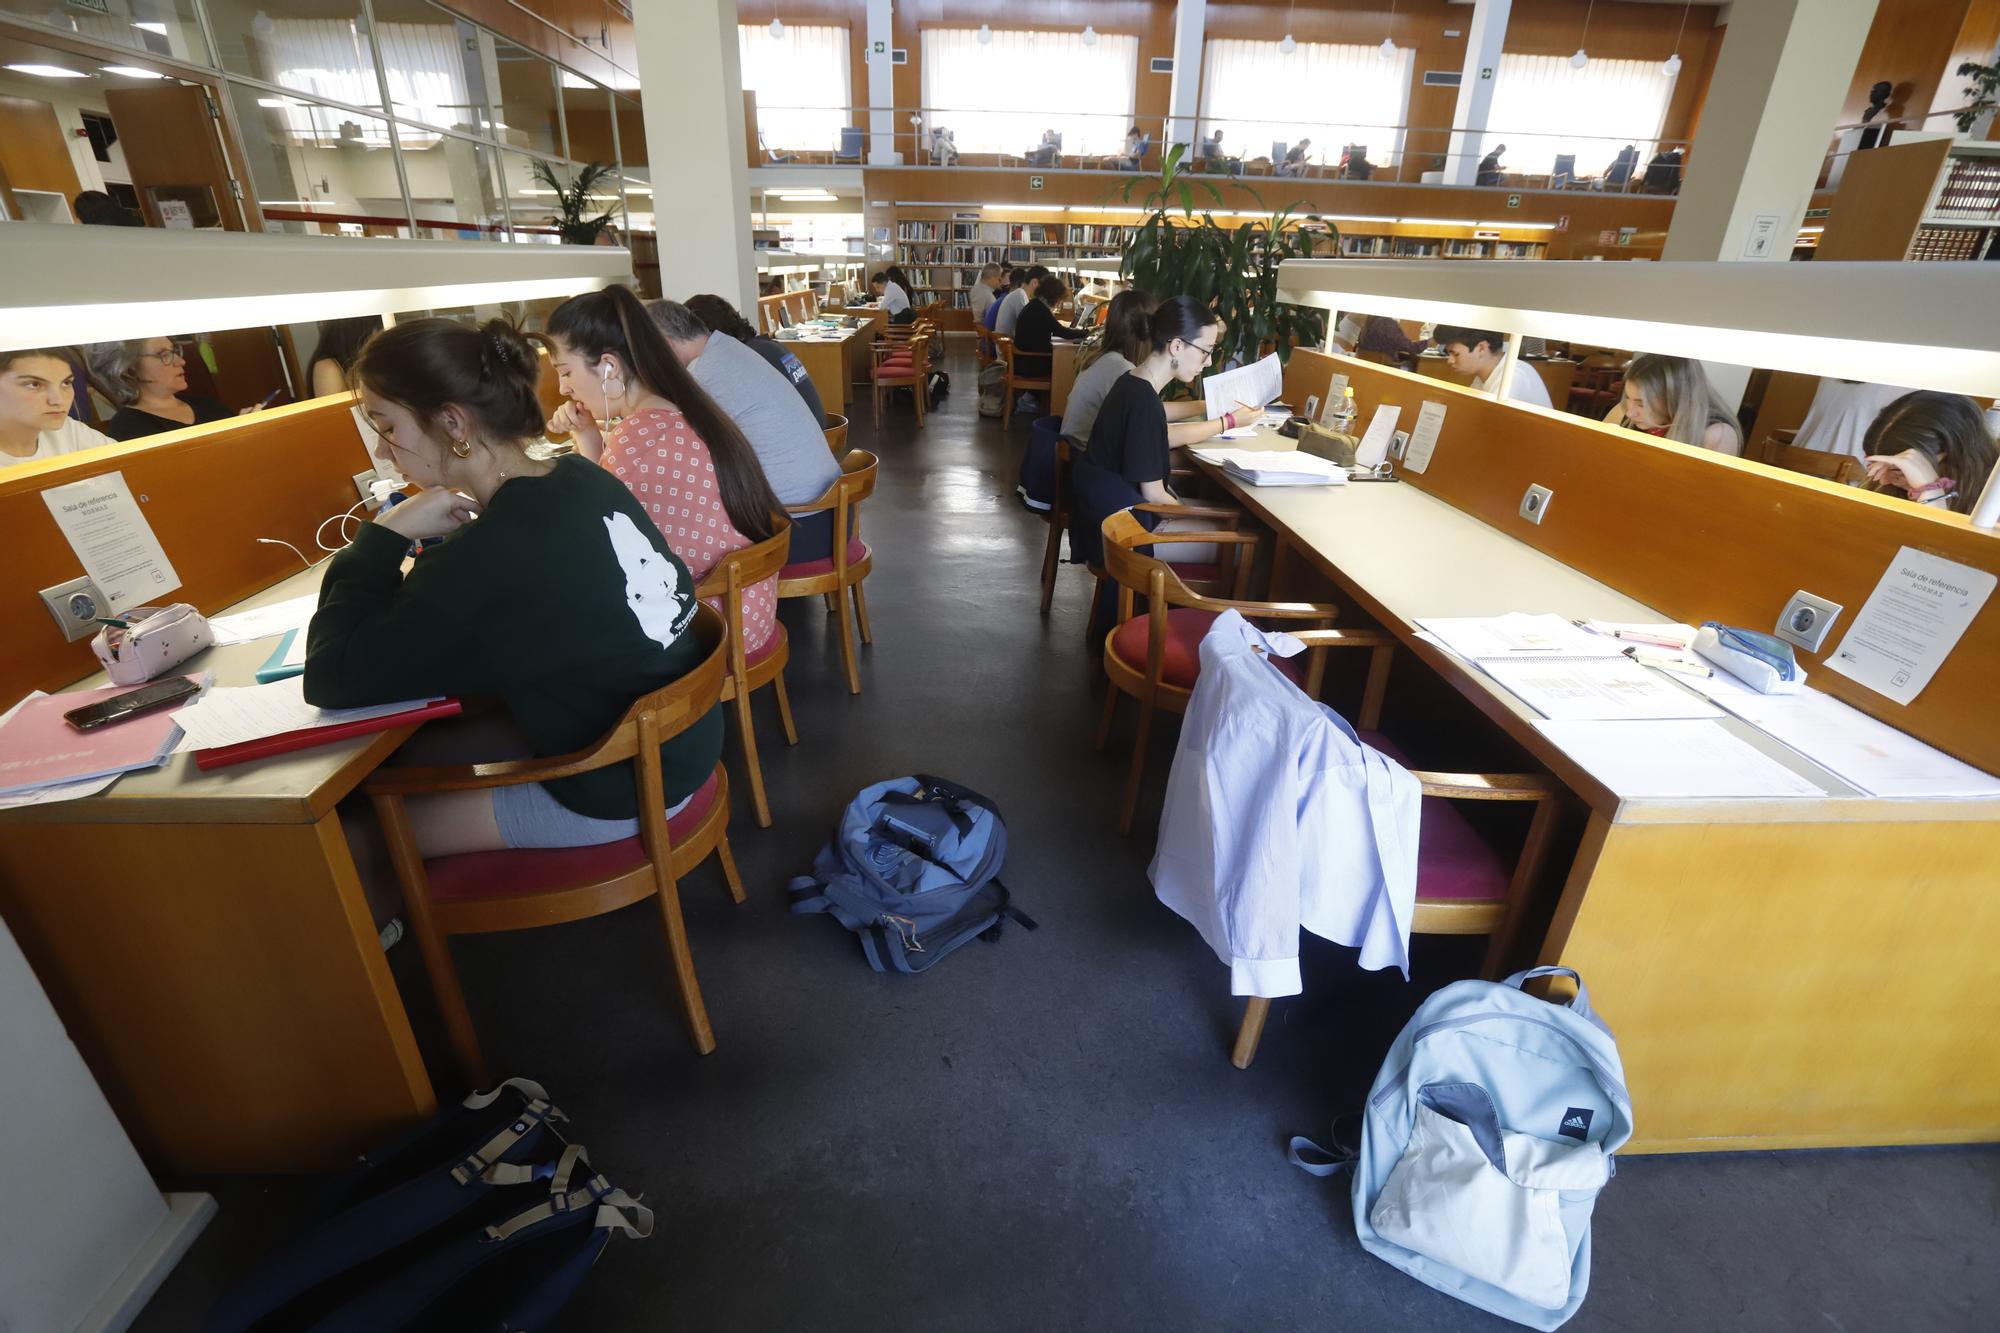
(1353,217)
(1522,226)
(131,72)
(570,80)
(1442,222)
(1023,208)
(49,71)
(157,29)
(1803,231)
(279,101)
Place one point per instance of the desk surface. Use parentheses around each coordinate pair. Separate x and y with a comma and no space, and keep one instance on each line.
(1401,554)
(295,788)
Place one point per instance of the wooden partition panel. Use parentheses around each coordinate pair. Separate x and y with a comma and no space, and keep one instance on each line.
(1696,534)
(208,491)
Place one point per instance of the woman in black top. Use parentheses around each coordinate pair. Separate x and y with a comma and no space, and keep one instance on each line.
(147,378)
(1038,328)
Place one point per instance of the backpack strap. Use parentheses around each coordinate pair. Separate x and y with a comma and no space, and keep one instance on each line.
(562,1198)
(1338,1156)
(1579,1002)
(486,1158)
(527,1087)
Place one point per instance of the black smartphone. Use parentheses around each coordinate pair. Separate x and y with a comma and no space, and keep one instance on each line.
(132,703)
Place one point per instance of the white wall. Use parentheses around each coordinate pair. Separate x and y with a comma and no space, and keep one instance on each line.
(69,108)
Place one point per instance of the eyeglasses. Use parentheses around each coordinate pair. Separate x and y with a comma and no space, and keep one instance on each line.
(1207,353)
(173,356)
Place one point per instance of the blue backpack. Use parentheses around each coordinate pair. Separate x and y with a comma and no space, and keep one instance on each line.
(914,870)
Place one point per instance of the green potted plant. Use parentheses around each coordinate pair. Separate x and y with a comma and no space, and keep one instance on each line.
(1176,251)
(1985,83)
(574,202)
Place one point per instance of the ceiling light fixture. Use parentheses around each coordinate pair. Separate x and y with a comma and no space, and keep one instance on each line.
(1089,35)
(777,29)
(1388,47)
(1289,44)
(1672,66)
(1582,57)
(157,29)
(49,71)
(985,35)
(131,72)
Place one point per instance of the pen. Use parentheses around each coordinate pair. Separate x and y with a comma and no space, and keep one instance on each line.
(1655,640)
(1675,664)
(114,623)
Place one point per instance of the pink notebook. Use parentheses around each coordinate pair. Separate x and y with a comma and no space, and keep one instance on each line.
(39,749)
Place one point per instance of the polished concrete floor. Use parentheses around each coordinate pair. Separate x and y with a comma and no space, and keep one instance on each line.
(1044,1133)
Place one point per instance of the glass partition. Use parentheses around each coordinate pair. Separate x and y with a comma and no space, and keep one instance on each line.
(529,109)
(317,169)
(156,27)
(438,67)
(323,52)
(453,187)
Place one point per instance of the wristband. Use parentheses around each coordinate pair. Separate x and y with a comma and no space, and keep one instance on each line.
(1934,490)
(1229,421)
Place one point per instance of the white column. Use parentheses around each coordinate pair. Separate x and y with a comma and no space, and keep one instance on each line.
(1484,37)
(1776,96)
(1184,97)
(882,85)
(693,82)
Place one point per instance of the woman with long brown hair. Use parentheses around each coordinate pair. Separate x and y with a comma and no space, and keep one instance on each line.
(635,409)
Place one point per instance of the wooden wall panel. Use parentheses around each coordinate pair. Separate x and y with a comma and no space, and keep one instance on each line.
(33,148)
(169,140)
(1695,534)
(208,491)
(1908,45)
(1886,189)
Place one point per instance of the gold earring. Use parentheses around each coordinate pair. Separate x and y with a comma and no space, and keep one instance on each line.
(462,448)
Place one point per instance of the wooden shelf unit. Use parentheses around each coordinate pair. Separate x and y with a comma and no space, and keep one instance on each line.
(943,255)
(1420,240)
(1961,218)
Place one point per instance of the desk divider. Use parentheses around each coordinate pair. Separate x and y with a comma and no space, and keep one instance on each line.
(1696,534)
(208,491)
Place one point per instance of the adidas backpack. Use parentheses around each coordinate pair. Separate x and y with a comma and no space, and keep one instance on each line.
(914,870)
(1485,1141)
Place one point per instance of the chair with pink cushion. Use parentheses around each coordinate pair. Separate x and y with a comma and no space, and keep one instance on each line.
(840,575)
(477,892)
(750,670)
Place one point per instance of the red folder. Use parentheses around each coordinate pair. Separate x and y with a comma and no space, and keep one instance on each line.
(263,748)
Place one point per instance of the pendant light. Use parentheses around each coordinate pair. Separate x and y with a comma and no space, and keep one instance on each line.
(985,35)
(777,29)
(1388,47)
(1672,66)
(1089,35)
(1582,57)
(1288,44)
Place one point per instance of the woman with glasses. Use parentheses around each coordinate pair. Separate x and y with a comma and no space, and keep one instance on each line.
(147,378)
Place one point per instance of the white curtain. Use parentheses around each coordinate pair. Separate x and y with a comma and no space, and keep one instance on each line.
(320,58)
(1542,107)
(427,78)
(801,81)
(1333,94)
(1003,96)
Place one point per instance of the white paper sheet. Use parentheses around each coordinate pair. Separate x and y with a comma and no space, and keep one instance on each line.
(295,651)
(1277,467)
(1375,441)
(1601,688)
(230,715)
(1256,384)
(1910,623)
(1688,760)
(293,613)
(1872,755)
(113,540)
(1423,437)
(1517,634)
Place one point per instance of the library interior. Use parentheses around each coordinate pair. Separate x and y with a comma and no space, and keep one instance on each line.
(1436,669)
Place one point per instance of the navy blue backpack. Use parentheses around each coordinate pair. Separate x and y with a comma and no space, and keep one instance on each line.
(914,870)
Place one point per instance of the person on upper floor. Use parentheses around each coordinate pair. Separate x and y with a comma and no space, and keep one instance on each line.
(562,602)
(1037,329)
(686,463)
(789,443)
(1124,343)
(892,296)
(339,343)
(724,318)
(1933,447)
(1479,352)
(1016,300)
(1670,397)
(984,292)
(147,379)
(1295,159)
(1489,166)
(1135,145)
(37,386)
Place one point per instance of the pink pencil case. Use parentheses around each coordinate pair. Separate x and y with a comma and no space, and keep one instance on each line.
(153,641)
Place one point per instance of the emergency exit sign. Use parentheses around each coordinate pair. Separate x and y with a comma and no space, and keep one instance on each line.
(1034,182)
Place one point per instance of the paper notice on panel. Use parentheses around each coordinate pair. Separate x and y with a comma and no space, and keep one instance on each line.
(1423,438)
(113,540)
(1375,441)
(1602,688)
(1675,760)
(1255,385)
(1872,755)
(1910,623)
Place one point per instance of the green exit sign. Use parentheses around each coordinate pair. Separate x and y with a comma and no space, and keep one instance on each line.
(1034,182)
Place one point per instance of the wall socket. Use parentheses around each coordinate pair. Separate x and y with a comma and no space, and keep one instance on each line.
(362,481)
(1807,620)
(76,605)
(1536,503)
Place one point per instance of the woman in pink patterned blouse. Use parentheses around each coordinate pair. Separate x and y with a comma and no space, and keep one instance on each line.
(679,454)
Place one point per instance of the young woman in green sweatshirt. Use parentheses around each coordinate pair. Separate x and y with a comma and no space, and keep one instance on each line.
(552,592)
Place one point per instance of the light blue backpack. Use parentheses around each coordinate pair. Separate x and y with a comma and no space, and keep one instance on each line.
(1485,1141)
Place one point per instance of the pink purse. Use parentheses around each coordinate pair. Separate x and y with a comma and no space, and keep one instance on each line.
(154,640)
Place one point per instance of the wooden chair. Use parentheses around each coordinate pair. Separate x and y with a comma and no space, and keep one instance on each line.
(1018,384)
(900,363)
(1843,468)
(836,433)
(1155,657)
(733,576)
(1463,885)
(477,892)
(836,577)
(1057,517)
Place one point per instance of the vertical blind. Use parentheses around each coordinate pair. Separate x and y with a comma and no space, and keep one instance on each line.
(1542,107)
(1333,94)
(330,58)
(1002,96)
(801,81)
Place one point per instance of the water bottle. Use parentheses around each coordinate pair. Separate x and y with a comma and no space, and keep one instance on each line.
(1345,412)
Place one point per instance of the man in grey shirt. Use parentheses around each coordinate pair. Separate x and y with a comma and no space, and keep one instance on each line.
(769,412)
(1010,308)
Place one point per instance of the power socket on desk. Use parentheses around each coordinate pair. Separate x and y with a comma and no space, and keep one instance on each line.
(1536,503)
(76,605)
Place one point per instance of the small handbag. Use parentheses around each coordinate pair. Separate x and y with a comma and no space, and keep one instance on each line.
(153,641)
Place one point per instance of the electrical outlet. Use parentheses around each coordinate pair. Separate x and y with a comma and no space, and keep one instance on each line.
(1535,503)
(76,605)
(1806,621)
(362,481)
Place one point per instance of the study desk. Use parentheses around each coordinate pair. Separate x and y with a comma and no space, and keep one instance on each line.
(205,937)
(1780,973)
(830,359)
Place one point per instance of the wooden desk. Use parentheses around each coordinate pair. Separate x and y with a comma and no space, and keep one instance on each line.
(1811,972)
(206,940)
(1062,377)
(830,360)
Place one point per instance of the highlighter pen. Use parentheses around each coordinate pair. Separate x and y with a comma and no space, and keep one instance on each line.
(1631,636)
(1675,664)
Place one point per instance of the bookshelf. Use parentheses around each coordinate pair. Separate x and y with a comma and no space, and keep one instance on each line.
(1962,216)
(1429,240)
(943,256)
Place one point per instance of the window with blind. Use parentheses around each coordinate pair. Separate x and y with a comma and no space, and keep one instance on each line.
(801,81)
(1004,96)
(1264,100)
(1543,108)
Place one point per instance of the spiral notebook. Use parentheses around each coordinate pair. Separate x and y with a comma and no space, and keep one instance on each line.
(1579,688)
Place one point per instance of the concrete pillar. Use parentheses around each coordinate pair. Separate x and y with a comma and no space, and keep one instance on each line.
(1184,98)
(1484,37)
(882,85)
(1779,85)
(691,78)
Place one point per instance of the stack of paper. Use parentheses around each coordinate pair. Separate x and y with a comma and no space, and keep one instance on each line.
(1685,760)
(1516,634)
(44,758)
(1264,467)
(1253,385)
(1874,756)
(233,715)
(1562,671)
(265,621)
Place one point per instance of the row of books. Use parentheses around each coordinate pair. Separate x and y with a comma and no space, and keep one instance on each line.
(1950,242)
(1971,189)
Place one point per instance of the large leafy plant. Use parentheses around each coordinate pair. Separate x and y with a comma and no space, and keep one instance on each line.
(1985,83)
(574,201)
(1178,251)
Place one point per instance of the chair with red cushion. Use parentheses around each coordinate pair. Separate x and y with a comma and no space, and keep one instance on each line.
(477,892)
(1155,657)
(1464,885)
(748,671)
(900,363)
(840,574)
(1018,383)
